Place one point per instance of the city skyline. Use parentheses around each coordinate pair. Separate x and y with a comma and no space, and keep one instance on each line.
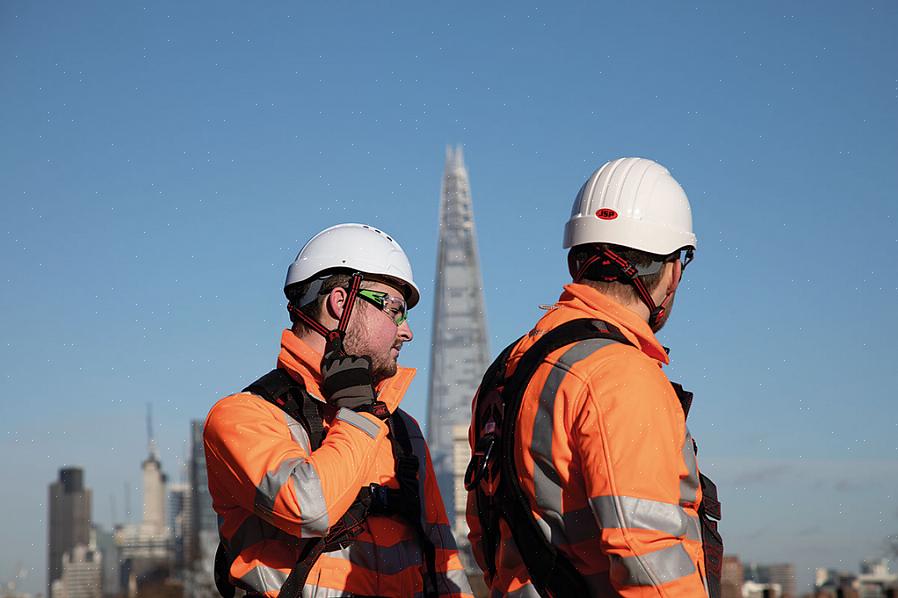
(164,163)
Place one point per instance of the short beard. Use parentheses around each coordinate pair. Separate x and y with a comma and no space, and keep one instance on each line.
(381,368)
(667,311)
(383,371)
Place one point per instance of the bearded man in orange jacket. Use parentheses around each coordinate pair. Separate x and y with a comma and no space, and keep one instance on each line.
(590,484)
(323,485)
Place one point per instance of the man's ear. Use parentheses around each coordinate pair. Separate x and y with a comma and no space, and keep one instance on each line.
(335,302)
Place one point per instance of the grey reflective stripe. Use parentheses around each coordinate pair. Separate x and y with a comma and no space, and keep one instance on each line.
(310,496)
(454,582)
(299,434)
(652,569)
(527,591)
(264,579)
(357,420)
(689,485)
(254,530)
(386,560)
(640,513)
(313,591)
(694,529)
(272,483)
(546,483)
(306,487)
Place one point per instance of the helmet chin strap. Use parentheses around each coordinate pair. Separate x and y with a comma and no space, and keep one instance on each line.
(609,260)
(333,338)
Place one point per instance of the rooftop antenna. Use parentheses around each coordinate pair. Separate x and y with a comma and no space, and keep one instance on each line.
(151,442)
(127,503)
(112,509)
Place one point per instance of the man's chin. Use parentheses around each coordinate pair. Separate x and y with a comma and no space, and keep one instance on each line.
(386,371)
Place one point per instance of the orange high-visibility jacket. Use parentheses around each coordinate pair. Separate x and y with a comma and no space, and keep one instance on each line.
(270,491)
(606,462)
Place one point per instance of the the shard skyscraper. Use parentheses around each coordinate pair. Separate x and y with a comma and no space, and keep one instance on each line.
(460,354)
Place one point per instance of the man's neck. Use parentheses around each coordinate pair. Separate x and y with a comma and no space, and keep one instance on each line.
(312,339)
(637,307)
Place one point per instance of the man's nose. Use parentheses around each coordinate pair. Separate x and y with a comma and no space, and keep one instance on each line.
(405,332)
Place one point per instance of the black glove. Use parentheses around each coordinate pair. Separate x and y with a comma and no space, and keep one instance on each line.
(347,381)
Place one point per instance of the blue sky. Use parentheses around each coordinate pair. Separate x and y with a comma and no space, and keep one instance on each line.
(161,163)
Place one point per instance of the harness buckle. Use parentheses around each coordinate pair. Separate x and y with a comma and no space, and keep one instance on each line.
(480,461)
(380,500)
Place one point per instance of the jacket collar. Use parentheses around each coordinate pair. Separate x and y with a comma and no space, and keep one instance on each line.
(594,304)
(304,363)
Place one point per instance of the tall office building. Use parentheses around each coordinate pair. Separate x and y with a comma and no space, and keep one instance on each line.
(459,354)
(203,536)
(69,520)
(180,520)
(109,560)
(153,484)
(732,577)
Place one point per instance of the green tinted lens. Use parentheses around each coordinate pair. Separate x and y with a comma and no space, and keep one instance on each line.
(394,307)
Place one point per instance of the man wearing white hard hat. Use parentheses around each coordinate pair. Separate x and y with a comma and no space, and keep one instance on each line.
(583,480)
(323,485)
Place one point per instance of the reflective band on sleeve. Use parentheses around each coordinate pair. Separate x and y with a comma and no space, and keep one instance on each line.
(546,483)
(453,582)
(357,420)
(298,432)
(652,569)
(640,513)
(694,530)
(689,485)
(313,591)
(527,591)
(264,579)
(309,495)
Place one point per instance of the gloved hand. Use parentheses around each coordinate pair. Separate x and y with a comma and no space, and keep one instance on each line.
(346,380)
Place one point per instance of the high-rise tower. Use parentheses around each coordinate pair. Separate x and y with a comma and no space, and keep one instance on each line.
(145,547)
(153,482)
(459,354)
(69,520)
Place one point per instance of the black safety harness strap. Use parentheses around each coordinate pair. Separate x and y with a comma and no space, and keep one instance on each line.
(407,472)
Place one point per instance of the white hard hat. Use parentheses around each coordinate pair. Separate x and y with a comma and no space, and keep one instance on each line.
(634,203)
(359,248)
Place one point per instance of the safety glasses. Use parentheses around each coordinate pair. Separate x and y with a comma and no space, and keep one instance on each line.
(395,307)
(685,257)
